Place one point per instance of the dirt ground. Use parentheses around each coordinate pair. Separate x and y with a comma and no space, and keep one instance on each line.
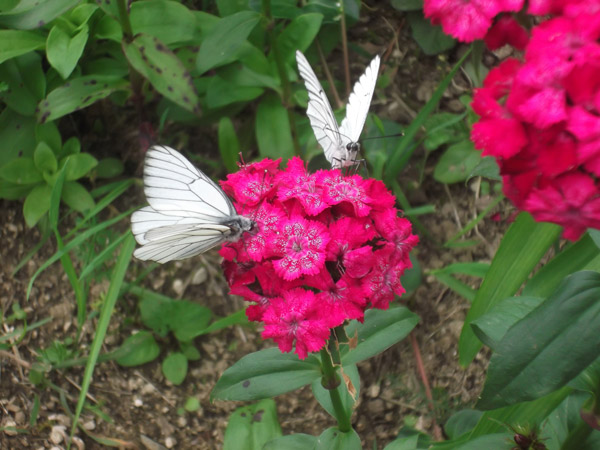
(142,407)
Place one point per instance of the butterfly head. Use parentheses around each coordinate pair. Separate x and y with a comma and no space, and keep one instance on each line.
(353,148)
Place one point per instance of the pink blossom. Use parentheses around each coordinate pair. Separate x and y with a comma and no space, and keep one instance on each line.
(301,245)
(344,189)
(506,30)
(296,183)
(297,317)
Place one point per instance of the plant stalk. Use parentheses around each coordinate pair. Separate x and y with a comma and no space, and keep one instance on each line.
(331,381)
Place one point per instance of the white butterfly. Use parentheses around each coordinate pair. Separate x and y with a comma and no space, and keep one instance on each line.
(339,143)
(188,213)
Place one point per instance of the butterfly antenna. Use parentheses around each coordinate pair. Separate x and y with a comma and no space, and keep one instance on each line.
(382,137)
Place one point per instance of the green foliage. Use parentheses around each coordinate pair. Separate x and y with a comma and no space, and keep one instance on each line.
(250,427)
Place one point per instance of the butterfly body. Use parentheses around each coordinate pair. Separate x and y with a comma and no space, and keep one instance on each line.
(188,213)
(340,143)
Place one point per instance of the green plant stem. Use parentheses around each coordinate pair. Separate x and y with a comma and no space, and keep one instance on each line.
(577,437)
(285,82)
(331,381)
(124,20)
(345,47)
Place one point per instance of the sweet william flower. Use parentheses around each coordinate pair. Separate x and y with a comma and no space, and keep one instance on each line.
(316,260)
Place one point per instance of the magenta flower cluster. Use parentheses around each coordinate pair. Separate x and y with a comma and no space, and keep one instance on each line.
(539,114)
(328,247)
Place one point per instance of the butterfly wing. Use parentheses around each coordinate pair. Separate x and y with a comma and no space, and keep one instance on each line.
(359,102)
(319,112)
(186,209)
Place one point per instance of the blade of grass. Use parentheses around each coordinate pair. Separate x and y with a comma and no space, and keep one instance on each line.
(24,330)
(75,242)
(403,153)
(468,227)
(116,282)
(102,256)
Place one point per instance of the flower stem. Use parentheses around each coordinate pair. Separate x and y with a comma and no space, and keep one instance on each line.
(331,381)
(124,20)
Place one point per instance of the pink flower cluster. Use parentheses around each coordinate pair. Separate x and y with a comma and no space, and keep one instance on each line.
(328,247)
(540,118)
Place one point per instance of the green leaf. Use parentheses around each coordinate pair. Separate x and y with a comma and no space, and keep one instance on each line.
(175,368)
(21,171)
(81,14)
(77,94)
(77,197)
(109,168)
(228,36)
(431,39)
(222,93)
(444,128)
(79,164)
(457,162)
(192,404)
(26,83)
(570,260)
(520,250)
(35,14)
(37,204)
(487,168)
(236,318)
(404,443)
(407,5)
(169,21)
(549,347)
(462,422)
(292,442)
(273,131)
(348,401)
(11,191)
(163,69)
(189,350)
(17,138)
(14,43)
(137,349)
(493,325)
(251,426)
(380,330)
(334,439)
(229,145)
(264,374)
(48,133)
(298,35)
(187,320)
(44,158)
(63,50)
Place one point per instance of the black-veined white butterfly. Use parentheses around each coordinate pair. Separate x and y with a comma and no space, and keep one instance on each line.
(188,213)
(340,144)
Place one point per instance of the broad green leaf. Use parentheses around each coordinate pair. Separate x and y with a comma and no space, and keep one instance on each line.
(430,38)
(236,318)
(264,374)
(457,162)
(574,258)
(63,50)
(273,131)
(298,35)
(493,325)
(487,168)
(137,349)
(14,43)
(251,426)
(404,443)
(17,138)
(189,350)
(21,171)
(229,7)
(108,28)
(26,82)
(44,158)
(334,439)
(292,442)
(174,368)
(169,21)
(73,147)
(37,204)
(12,191)
(595,235)
(239,74)
(444,128)
(77,197)
(81,14)
(229,146)
(48,133)
(280,9)
(348,401)
(461,422)
(109,168)
(77,94)
(222,93)
(111,8)
(227,36)
(192,404)
(380,330)
(112,67)
(165,71)
(188,320)
(520,250)
(35,14)
(549,347)
(79,164)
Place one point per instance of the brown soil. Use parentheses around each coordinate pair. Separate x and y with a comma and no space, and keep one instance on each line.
(143,406)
